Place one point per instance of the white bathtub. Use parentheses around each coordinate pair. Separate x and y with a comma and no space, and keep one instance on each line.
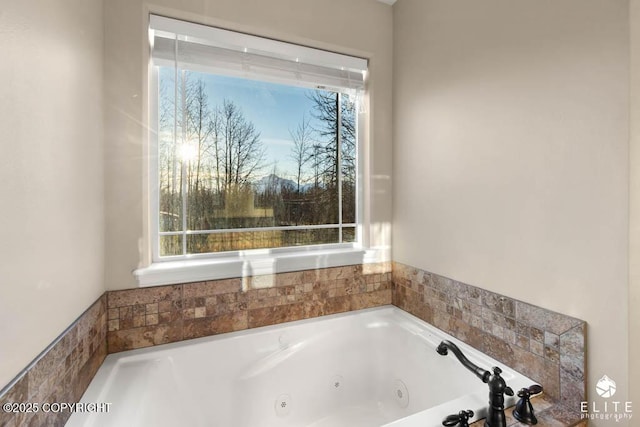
(367,368)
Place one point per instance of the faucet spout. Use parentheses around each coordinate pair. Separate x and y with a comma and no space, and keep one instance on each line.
(445,346)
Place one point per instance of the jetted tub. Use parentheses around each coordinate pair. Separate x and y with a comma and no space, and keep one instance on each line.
(366,368)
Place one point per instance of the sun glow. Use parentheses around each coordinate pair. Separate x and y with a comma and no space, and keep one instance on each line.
(188,152)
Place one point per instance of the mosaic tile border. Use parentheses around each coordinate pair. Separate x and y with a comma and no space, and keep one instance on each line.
(62,372)
(546,346)
(151,316)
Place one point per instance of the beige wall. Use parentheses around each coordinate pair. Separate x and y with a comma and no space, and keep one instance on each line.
(51,182)
(361,27)
(634,194)
(511,155)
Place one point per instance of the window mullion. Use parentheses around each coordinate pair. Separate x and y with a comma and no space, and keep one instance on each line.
(183,168)
(339,160)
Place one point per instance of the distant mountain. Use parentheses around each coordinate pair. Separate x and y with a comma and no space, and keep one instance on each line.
(273,183)
(277,183)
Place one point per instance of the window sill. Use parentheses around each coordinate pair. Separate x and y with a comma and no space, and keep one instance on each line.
(196,270)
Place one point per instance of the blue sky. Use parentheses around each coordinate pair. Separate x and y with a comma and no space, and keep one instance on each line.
(274,110)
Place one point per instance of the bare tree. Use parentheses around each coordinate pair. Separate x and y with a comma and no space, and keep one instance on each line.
(336,153)
(302,151)
(225,152)
(199,129)
(243,152)
(336,115)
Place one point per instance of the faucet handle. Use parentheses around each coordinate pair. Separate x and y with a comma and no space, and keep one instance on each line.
(497,383)
(461,419)
(526,392)
(523,410)
(534,389)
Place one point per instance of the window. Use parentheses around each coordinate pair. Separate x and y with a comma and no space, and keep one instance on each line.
(255,142)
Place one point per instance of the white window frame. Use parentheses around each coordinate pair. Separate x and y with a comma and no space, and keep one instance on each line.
(220,265)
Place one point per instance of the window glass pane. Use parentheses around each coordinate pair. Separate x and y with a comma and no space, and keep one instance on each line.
(235,153)
(170,245)
(235,241)
(349,234)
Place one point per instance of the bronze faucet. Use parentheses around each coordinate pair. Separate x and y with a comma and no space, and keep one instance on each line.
(497,386)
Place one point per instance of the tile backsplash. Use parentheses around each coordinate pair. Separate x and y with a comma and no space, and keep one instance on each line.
(61,373)
(546,346)
(144,317)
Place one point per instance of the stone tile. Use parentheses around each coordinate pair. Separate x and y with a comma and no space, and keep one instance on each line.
(165,306)
(289,279)
(498,319)
(88,371)
(441,283)
(441,320)
(498,349)
(497,331)
(19,392)
(476,321)
(509,336)
(206,326)
(114,325)
(572,341)
(474,295)
(41,375)
(542,371)
(573,367)
(551,353)
(487,326)
(551,340)
(139,310)
(459,290)
(522,342)
(536,347)
(460,329)
(543,319)
(276,314)
(143,296)
(370,299)
(522,329)
(138,321)
(145,336)
(335,305)
(439,305)
(559,415)
(215,287)
(536,334)
(571,390)
(151,319)
(498,303)
(56,373)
